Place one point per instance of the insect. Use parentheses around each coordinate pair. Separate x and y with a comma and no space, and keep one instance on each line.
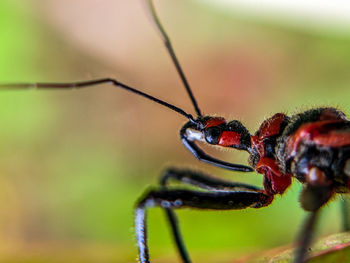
(311,146)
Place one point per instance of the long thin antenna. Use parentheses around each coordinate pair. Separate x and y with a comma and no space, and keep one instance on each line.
(88,83)
(171,51)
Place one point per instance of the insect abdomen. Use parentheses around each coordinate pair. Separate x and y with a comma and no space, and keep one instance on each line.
(317,138)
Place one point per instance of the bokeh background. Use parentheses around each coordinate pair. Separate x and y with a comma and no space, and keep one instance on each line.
(73,163)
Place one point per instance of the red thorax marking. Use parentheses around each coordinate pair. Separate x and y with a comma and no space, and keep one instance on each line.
(229,138)
(275,182)
(271,126)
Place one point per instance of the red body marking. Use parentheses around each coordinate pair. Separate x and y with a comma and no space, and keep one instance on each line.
(271,126)
(323,133)
(229,138)
(275,181)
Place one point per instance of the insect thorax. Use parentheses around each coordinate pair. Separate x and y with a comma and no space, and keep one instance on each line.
(288,146)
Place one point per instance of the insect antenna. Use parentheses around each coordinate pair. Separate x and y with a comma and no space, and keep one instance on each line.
(172,54)
(89,83)
(116,83)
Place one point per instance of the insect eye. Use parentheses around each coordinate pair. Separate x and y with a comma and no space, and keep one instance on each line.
(212,134)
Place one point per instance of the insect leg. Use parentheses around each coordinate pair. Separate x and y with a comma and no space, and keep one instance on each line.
(180,244)
(200,180)
(315,194)
(345,213)
(171,198)
(305,237)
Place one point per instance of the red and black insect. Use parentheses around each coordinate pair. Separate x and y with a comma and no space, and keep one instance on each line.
(312,146)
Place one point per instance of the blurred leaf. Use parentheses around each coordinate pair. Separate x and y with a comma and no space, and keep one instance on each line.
(334,248)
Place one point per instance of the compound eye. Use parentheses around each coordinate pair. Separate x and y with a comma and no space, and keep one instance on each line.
(212,134)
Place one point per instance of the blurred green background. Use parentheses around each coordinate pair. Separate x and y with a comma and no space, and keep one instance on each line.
(73,163)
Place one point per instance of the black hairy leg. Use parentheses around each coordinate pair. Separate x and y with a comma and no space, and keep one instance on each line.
(221,196)
(200,180)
